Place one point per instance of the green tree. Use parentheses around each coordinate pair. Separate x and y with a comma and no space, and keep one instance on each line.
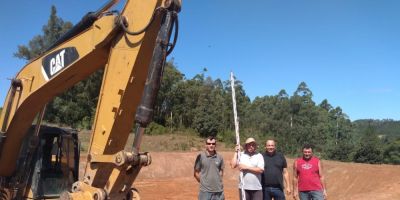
(307,124)
(391,154)
(76,106)
(242,100)
(325,105)
(53,30)
(190,90)
(168,96)
(340,141)
(207,118)
(370,148)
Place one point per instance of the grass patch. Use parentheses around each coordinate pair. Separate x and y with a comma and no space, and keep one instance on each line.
(181,141)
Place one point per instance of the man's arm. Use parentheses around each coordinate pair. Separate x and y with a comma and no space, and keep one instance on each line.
(322,179)
(234,161)
(221,171)
(286,177)
(197,175)
(254,170)
(295,181)
(259,169)
(197,168)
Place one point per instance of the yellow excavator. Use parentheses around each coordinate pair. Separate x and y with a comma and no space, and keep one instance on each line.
(42,162)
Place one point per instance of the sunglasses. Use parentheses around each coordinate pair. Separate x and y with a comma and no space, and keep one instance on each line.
(210,143)
(252,144)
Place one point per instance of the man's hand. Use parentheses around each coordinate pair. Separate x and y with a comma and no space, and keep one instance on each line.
(243,167)
(197,175)
(325,195)
(295,195)
(288,191)
(238,148)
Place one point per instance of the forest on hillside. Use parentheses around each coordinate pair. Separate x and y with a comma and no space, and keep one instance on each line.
(204,105)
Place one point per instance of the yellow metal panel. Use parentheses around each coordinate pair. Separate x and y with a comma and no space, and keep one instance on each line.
(121,92)
(37,91)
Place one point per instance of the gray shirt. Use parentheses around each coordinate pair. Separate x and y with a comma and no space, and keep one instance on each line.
(210,167)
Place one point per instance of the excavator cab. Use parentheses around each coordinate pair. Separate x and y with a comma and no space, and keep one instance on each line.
(56,163)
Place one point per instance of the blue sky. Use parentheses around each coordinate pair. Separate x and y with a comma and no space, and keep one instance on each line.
(347,51)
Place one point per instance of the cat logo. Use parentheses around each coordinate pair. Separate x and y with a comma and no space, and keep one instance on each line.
(55,62)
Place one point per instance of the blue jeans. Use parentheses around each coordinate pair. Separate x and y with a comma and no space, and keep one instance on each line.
(211,195)
(274,192)
(311,195)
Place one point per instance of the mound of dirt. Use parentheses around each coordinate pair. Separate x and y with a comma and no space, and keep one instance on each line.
(170,176)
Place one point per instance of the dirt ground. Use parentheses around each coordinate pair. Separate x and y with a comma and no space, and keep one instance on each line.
(170,176)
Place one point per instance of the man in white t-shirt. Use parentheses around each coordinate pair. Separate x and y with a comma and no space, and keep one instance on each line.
(251,164)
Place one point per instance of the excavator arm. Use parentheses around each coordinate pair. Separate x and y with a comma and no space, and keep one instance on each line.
(132,47)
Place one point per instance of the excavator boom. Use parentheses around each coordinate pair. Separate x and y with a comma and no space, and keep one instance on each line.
(131,46)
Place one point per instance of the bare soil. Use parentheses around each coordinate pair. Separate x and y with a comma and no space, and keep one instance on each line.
(170,176)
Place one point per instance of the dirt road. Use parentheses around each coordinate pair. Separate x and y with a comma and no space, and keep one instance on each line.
(170,176)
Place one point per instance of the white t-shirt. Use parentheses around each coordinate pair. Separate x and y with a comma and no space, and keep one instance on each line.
(251,181)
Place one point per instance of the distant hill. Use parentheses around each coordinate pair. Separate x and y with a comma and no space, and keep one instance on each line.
(387,128)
